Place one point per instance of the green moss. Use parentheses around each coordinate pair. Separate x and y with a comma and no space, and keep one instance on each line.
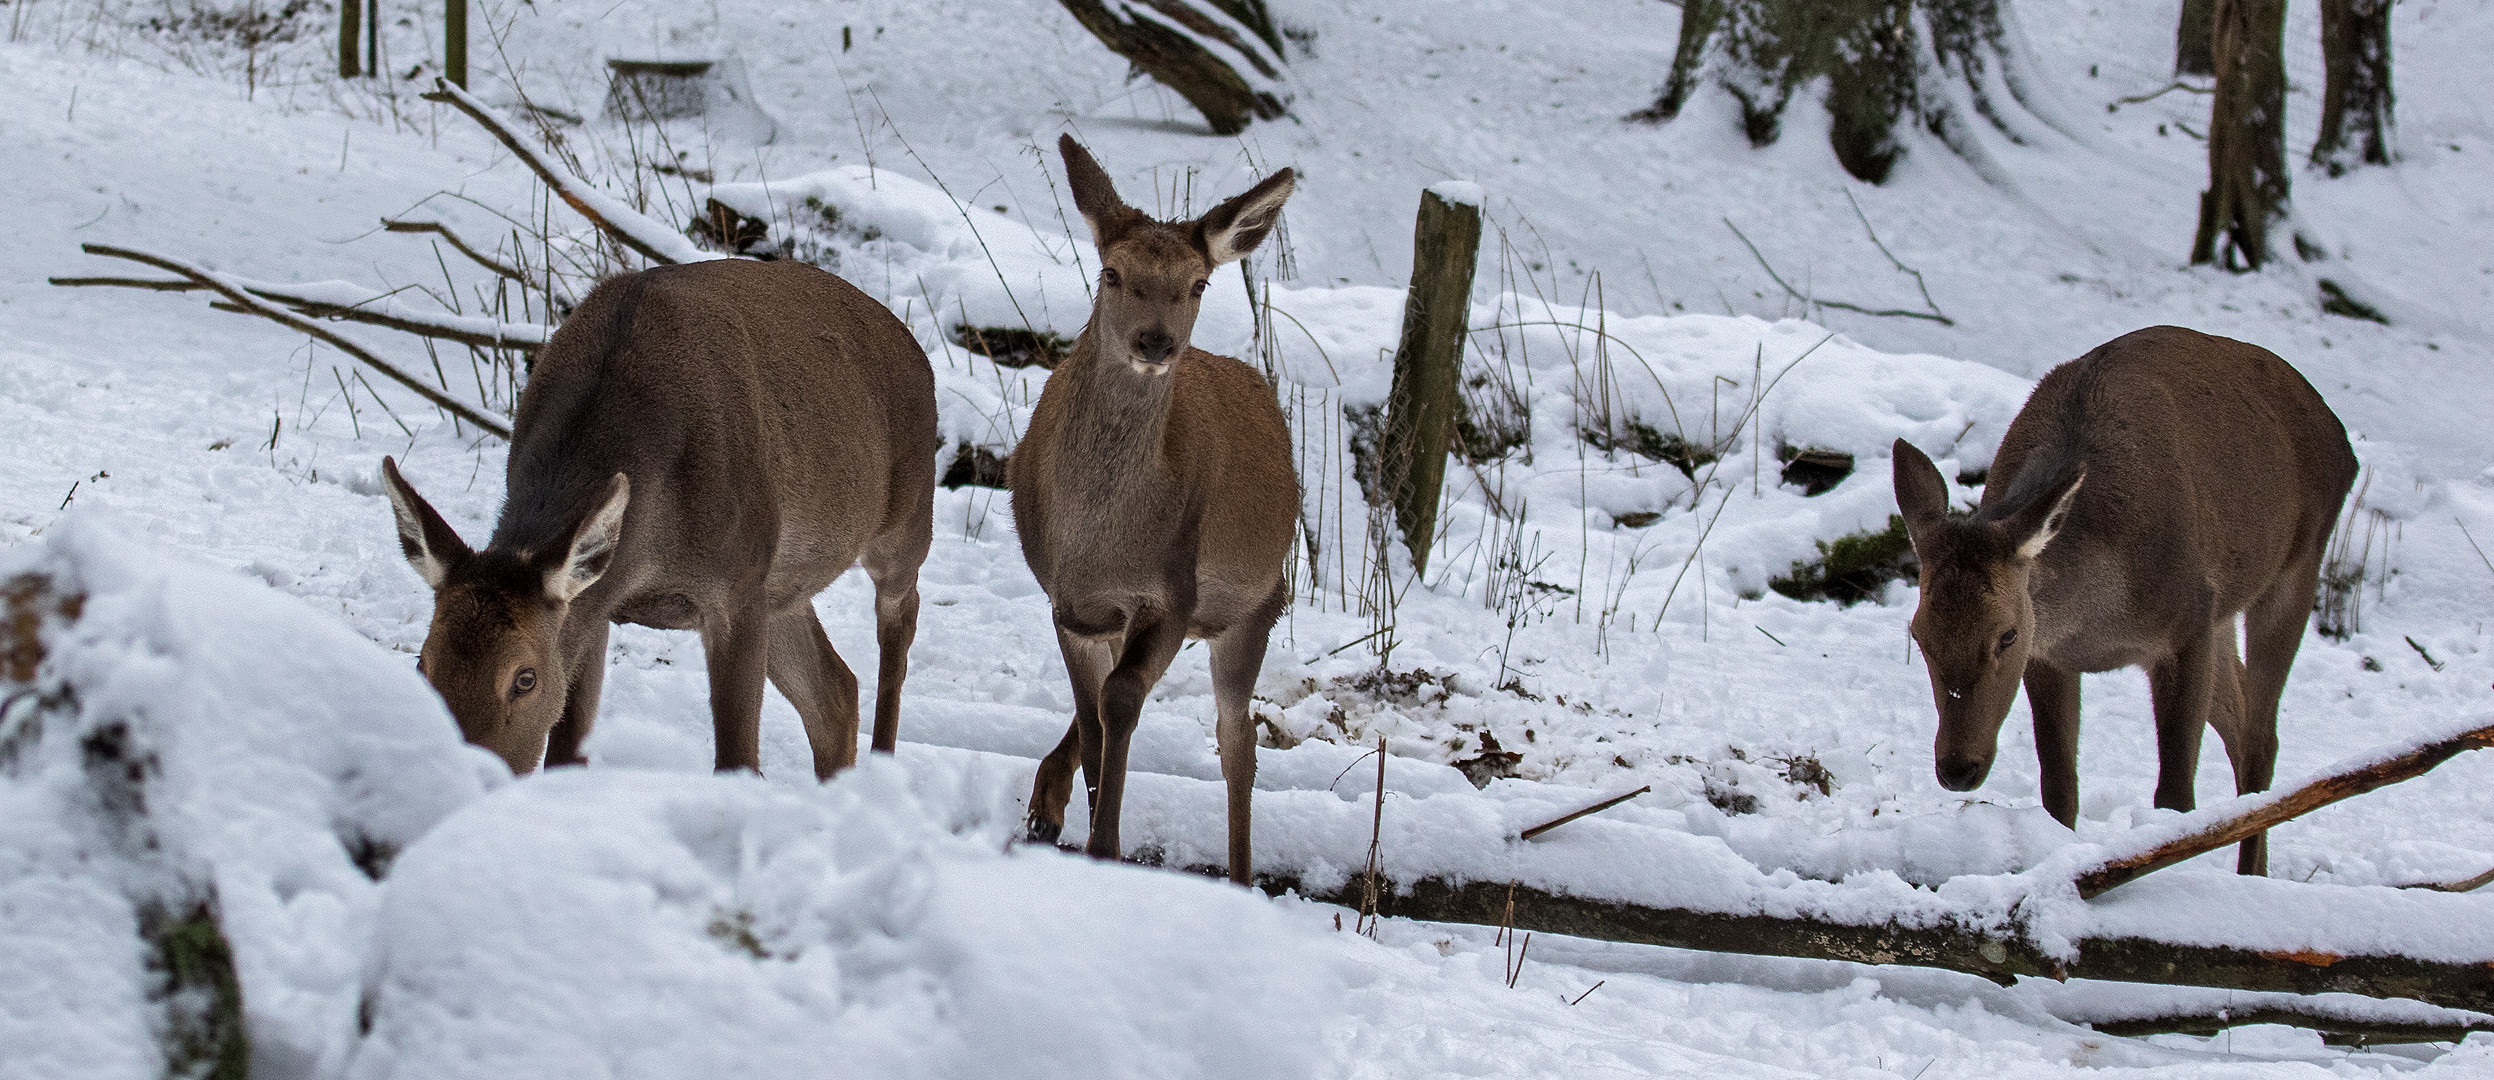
(204,1037)
(1852,568)
(1014,347)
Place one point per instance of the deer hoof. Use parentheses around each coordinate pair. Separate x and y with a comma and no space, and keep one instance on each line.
(1042,832)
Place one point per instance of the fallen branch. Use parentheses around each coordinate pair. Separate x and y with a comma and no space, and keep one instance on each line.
(2242,818)
(478,257)
(631,228)
(2462,885)
(351,303)
(235,294)
(1933,315)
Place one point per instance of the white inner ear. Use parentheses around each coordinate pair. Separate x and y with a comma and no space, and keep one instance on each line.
(411,540)
(2034,545)
(592,547)
(1256,220)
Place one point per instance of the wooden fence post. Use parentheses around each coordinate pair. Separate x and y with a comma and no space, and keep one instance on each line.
(1420,412)
(455,41)
(350,38)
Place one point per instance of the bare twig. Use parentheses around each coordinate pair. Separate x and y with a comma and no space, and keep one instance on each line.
(1373,877)
(629,227)
(236,295)
(2472,543)
(1816,301)
(2136,99)
(437,228)
(1858,215)
(1597,985)
(2243,818)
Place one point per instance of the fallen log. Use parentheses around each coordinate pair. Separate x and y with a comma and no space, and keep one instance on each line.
(2335,1030)
(631,228)
(2000,957)
(235,294)
(2242,818)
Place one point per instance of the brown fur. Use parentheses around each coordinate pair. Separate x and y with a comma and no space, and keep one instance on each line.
(2149,492)
(699,447)
(1156,501)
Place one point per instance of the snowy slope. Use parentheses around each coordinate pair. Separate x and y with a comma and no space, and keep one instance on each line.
(128,396)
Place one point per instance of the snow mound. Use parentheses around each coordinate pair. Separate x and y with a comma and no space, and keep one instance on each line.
(191,738)
(622,924)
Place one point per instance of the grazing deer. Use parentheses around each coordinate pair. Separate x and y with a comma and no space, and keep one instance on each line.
(2149,492)
(1155,498)
(700,447)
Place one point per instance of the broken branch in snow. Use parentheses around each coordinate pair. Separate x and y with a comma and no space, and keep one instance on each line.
(478,257)
(1594,808)
(235,294)
(2242,818)
(351,304)
(2462,885)
(631,228)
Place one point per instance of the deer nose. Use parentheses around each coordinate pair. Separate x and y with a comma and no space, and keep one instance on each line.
(1962,774)
(1154,346)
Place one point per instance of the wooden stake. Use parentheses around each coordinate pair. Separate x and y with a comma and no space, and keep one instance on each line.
(1428,366)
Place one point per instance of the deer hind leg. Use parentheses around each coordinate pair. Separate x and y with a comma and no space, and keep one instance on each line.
(896,626)
(1087,664)
(1237,658)
(2250,748)
(2178,686)
(580,708)
(2052,695)
(1152,641)
(736,645)
(810,673)
(2273,630)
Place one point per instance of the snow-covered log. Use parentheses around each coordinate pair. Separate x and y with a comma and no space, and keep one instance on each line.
(1187,48)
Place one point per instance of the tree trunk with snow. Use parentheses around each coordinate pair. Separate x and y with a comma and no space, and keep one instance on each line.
(2355,99)
(350,38)
(1881,71)
(2194,54)
(2247,178)
(1195,47)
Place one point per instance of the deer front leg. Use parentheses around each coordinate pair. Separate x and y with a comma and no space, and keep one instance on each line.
(1086,664)
(580,708)
(1152,640)
(2179,688)
(2052,695)
(737,647)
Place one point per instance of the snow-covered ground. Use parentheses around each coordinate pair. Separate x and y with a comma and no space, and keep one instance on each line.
(641,918)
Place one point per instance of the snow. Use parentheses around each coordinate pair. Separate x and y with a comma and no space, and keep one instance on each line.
(189,468)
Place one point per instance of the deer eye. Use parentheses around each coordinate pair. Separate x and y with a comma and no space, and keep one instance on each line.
(1108,277)
(2008,638)
(1199,288)
(524,682)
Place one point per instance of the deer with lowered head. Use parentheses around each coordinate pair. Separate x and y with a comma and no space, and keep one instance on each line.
(700,447)
(2148,494)
(1155,499)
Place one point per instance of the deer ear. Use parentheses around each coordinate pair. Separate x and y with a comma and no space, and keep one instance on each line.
(1921,495)
(1095,197)
(2035,524)
(1235,227)
(429,543)
(593,544)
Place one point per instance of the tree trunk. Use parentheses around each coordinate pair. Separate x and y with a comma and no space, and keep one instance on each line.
(1176,53)
(2355,101)
(2193,53)
(455,41)
(1879,68)
(350,38)
(2247,179)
